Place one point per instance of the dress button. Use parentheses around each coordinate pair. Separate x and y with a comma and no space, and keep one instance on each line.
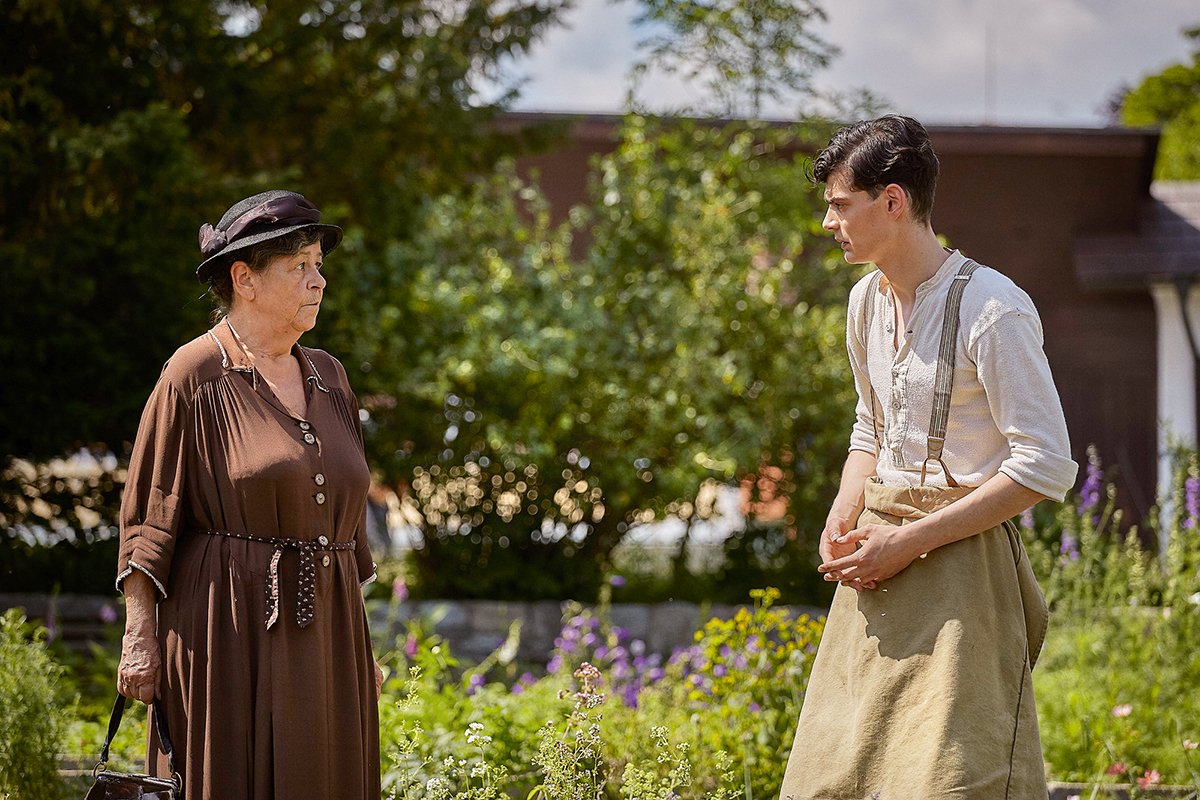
(320,498)
(319,478)
(304,426)
(325,561)
(308,437)
(322,540)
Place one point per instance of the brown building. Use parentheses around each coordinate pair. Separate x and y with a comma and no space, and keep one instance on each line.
(1026,201)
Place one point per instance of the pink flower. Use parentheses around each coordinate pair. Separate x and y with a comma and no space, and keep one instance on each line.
(1188,744)
(1123,710)
(1118,768)
(399,590)
(411,646)
(1151,778)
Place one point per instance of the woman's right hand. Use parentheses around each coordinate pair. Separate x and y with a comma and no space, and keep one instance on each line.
(137,675)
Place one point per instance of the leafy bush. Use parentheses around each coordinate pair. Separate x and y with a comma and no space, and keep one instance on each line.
(29,712)
(1116,685)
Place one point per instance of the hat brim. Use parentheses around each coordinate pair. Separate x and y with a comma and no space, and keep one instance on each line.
(331,237)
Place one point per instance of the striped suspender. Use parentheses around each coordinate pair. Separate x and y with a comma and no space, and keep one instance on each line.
(944,380)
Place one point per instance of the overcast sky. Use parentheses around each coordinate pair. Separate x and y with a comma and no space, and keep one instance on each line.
(1056,62)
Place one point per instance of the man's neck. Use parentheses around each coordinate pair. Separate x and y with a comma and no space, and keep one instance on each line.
(914,260)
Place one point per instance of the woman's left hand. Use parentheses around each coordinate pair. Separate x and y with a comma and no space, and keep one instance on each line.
(883,551)
(378,679)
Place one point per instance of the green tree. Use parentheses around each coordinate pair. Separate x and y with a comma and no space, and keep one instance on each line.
(745,51)
(570,381)
(123,126)
(1171,99)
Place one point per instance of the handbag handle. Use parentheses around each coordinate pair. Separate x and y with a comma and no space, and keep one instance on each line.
(159,720)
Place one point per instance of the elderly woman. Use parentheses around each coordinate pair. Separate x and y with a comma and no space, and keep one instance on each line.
(243,527)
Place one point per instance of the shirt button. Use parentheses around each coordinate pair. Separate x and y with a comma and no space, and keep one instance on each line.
(304,426)
(325,561)
(320,498)
(896,404)
(308,437)
(322,540)
(319,478)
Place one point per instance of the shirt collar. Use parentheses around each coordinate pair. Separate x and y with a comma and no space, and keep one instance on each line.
(949,268)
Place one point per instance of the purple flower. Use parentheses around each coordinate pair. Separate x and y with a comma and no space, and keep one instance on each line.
(1027,519)
(517,688)
(754,708)
(108,614)
(399,590)
(411,645)
(719,671)
(554,664)
(1089,495)
(474,683)
(655,675)
(1069,546)
(1191,501)
(617,581)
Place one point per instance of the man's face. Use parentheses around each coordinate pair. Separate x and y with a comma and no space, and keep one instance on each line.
(857,221)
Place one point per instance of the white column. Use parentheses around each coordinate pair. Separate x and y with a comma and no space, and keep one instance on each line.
(1176,384)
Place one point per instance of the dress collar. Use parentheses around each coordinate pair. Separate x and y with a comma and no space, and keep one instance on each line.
(234,358)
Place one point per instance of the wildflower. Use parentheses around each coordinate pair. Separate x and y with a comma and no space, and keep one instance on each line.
(1118,768)
(411,645)
(108,614)
(1150,778)
(1123,710)
(1069,546)
(473,684)
(1089,495)
(475,734)
(1191,501)
(399,590)
(1188,744)
(554,664)
(617,581)
(1027,519)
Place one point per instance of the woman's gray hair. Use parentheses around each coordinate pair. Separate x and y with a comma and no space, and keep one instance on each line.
(258,257)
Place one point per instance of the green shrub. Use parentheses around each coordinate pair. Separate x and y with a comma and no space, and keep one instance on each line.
(29,713)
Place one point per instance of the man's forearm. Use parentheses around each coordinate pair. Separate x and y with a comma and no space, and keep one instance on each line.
(998,499)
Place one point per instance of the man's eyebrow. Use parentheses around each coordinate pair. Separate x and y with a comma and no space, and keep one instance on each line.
(829,198)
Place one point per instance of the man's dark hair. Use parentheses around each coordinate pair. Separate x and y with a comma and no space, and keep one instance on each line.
(878,152)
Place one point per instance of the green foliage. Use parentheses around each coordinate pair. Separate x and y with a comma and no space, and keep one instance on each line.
(58,523)
(744,50)
(568,381)
(1115,684)
(1171,99)
(123,126)
(29,712)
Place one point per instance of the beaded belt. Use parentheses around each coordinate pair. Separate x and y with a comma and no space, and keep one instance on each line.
(307,596)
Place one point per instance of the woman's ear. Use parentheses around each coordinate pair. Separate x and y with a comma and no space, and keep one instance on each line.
(243,280)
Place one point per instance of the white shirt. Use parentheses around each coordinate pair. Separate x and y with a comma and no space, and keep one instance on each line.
(1005,415)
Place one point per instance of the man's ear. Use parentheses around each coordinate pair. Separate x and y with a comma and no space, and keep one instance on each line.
(897,200)
(243,280)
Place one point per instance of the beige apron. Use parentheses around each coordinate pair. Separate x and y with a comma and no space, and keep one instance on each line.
(921,688)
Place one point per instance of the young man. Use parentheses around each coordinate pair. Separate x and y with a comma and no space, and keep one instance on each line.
(921,687)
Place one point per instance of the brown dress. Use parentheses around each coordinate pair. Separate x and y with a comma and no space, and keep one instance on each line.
(257,712)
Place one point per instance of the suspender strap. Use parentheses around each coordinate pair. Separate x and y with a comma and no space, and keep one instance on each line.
(944,382)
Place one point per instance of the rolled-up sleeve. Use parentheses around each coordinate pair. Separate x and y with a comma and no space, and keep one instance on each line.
(1024,403)
(151,505)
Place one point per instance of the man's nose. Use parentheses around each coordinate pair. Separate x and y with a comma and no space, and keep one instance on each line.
(830,222)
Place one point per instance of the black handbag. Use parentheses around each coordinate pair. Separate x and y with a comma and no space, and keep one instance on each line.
(110,785)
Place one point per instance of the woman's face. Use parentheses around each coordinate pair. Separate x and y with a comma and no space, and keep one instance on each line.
(288,292)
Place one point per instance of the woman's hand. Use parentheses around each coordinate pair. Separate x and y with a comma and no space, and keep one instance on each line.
(878,553)
(835,545)
(137,675)
(378,679)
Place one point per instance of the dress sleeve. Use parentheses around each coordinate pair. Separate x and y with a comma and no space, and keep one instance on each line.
(362,548)
(1024,403)
(151,504)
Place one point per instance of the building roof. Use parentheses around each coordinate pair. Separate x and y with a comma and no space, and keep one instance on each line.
(1165,248)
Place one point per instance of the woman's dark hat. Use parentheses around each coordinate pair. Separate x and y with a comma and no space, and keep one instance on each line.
(264,216)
